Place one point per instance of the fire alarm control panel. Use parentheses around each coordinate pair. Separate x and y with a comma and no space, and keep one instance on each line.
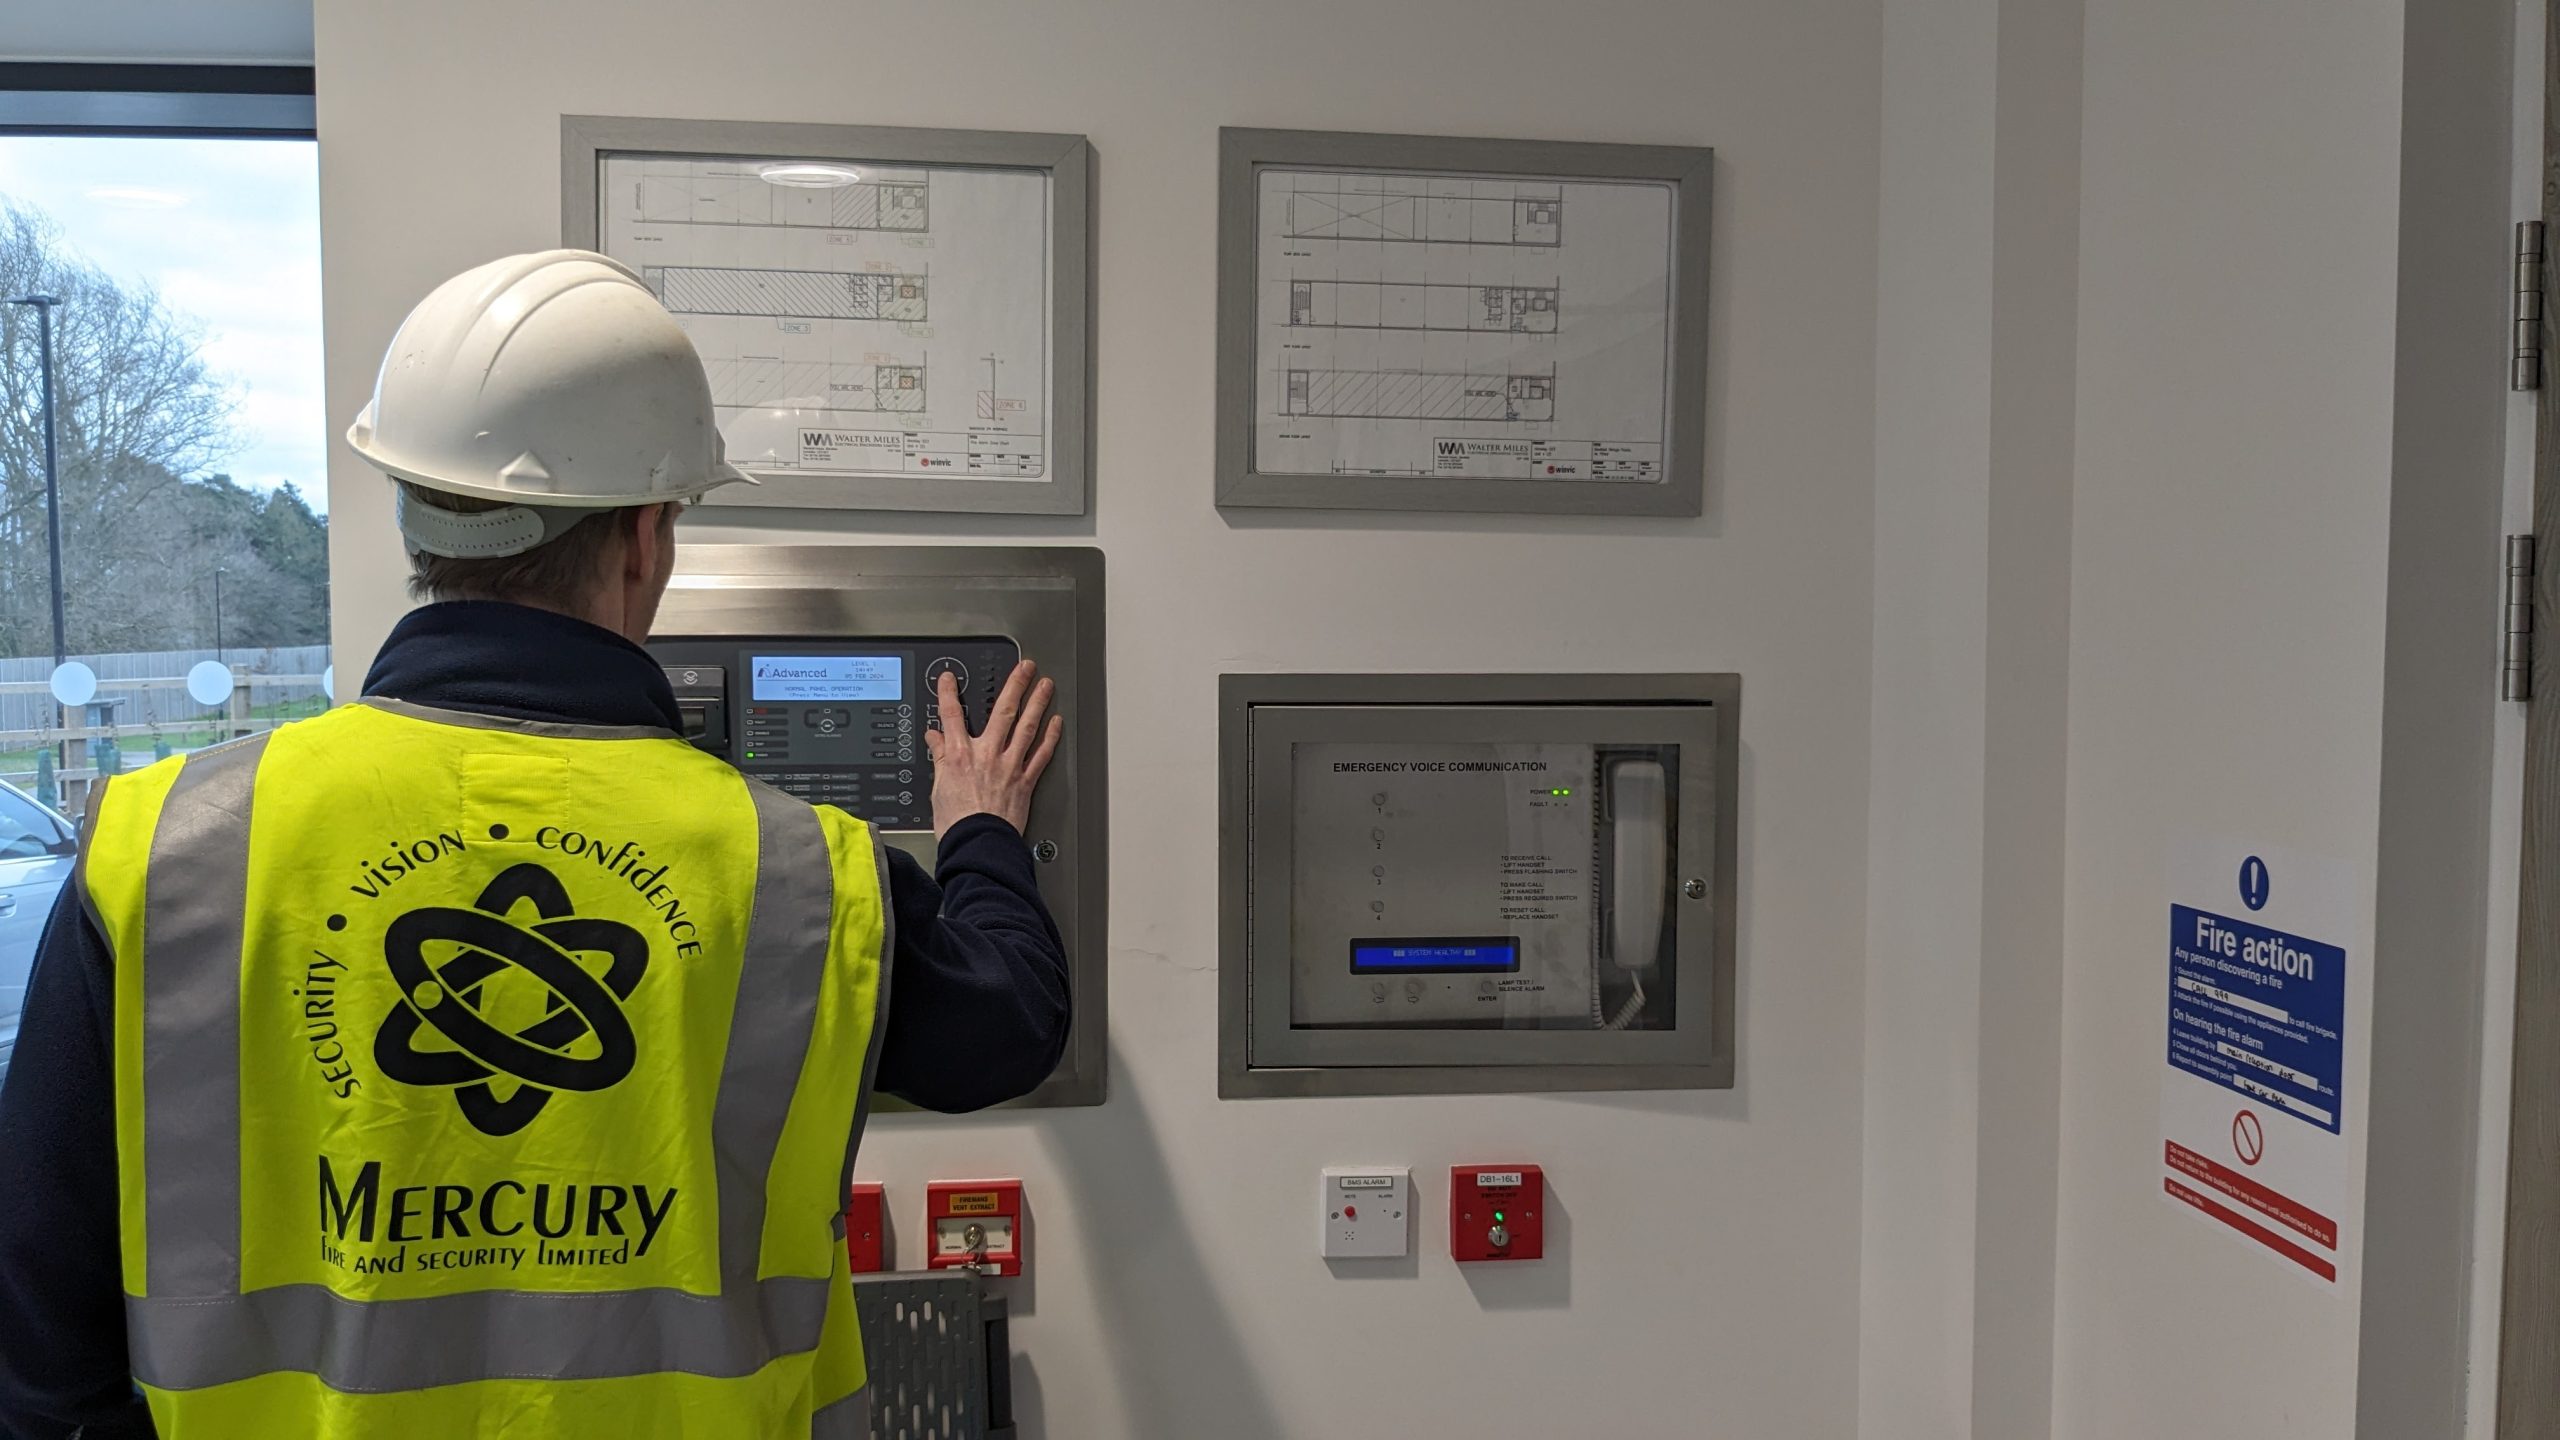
(1497,1212)
(974,1224)
(819,671)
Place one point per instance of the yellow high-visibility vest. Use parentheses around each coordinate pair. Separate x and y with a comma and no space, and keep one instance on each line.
(477,1077)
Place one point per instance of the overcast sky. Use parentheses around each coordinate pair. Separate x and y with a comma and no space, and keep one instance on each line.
(228,231)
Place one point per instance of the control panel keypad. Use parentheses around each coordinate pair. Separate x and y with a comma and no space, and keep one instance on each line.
(836,723)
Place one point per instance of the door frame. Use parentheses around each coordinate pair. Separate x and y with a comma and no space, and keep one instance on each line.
(2529,1330)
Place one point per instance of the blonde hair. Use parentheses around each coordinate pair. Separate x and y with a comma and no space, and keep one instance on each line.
(558,574)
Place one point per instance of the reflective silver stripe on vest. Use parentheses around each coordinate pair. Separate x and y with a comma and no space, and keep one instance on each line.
(380,1346)
(879,1015)
(777,1008)
(847,1419)
(195,897)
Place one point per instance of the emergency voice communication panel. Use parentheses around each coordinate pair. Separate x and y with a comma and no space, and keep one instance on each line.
(817,670)
(1451,883)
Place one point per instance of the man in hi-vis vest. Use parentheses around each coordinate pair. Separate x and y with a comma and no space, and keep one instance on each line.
(481,1059)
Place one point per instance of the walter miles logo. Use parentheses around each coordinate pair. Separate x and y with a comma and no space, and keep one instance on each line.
(448,998)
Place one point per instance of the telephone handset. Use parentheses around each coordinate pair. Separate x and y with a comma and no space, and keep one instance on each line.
(1636,792)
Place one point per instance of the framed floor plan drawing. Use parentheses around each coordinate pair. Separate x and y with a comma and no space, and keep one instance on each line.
(1425,323)
(892,319)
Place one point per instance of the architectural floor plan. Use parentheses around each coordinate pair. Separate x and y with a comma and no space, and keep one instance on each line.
(1462,327)
(892,323)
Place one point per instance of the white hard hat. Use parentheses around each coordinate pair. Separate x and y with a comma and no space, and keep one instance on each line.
(555,381)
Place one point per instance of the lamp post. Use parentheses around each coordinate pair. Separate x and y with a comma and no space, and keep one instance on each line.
(52,489)
(43,305)
(220,652)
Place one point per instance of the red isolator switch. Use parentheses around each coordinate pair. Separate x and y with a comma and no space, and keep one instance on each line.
(866,1232)
(1497,1212)
(974,1223)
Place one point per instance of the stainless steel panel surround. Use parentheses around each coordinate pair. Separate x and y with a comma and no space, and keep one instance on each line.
(1047,602)
(1496,853)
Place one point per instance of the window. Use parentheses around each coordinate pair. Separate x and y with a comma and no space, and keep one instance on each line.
(163,517)
(28,831)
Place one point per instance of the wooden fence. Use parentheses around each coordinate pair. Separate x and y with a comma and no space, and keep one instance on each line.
(75,738)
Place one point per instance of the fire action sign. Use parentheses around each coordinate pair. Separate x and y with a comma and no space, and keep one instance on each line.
(2253,1116)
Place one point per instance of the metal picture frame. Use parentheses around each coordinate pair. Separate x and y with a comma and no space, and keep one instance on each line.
(587,141)
(1243,483)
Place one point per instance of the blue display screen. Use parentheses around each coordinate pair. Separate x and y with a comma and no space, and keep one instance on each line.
(1438,955)
(827,677)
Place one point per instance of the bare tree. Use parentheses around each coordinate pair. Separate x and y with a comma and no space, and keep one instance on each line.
(138,417)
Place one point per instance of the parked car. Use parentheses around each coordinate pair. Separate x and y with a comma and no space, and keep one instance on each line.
(37,851)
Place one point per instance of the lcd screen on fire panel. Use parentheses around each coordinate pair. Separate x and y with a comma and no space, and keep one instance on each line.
(1482,886)
(785,679)
(1441,957)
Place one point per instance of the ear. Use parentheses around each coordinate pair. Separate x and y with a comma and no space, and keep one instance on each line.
(645,544)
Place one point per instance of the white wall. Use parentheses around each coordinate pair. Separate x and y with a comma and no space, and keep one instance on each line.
(1926,765)
(2440,714)
(1979,246)
(2233,528)
(1705,1280)
(2286,515)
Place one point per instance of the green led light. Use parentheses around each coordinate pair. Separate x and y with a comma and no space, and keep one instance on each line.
(1497,1217)
(1560,791)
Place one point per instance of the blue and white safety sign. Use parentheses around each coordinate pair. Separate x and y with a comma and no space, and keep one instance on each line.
(2253,1101)
(2259,1011)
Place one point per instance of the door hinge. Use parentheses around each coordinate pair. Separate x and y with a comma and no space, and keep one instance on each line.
(2524,369)
(2515,670)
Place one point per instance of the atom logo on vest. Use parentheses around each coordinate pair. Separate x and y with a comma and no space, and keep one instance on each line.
(447,999)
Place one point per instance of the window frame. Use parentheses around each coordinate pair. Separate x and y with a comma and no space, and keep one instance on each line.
(92,99)
(240,102)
